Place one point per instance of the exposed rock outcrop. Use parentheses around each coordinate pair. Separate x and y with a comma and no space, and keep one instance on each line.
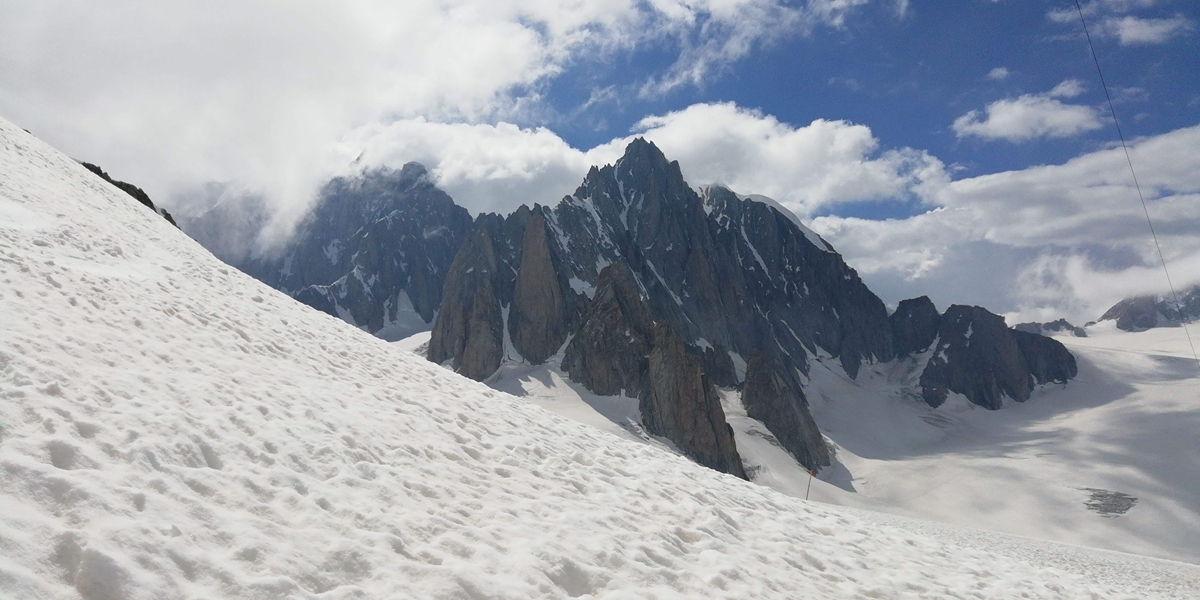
(621,350)
(774,396)
(1047,359)
(610,353)
(682,405)
(134,191)
(470,332)
(374,251)
(1140,313)
(730,276)
(544,308)
(1059,326)
(915,325)
(978,356)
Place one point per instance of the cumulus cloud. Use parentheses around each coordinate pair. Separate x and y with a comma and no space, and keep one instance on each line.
(1031,116)
(496,167)
(807,168)
(999,73)
(486,168)
(172,95)
(1131,31)
(1048,241)
(1109,19)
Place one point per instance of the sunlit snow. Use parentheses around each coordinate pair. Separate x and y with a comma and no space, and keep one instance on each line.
(171,428)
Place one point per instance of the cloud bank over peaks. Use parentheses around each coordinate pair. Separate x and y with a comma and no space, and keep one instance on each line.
(1045,242)
(173,95)
(817,166)
(1031,116)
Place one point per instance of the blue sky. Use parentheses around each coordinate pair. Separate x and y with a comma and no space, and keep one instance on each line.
(958,149)
(910,75)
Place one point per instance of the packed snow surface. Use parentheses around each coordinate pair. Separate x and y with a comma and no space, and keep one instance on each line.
(1109,460)
(171,428)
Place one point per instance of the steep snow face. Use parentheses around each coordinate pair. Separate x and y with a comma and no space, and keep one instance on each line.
(172,428)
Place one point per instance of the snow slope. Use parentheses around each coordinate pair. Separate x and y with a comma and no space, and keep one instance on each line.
(1121,436)
(170,428)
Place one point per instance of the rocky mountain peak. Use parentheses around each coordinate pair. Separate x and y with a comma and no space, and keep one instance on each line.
(979,356)
(1138,313)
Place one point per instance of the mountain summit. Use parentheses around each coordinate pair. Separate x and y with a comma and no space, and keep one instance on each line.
(639,285)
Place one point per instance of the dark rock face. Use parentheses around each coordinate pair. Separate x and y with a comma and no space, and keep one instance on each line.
(1058,326)
(1144,312)
(783,270)
(915,325)
(730,276)
(620,349)
(1134,314)
(610,353)
(134,191)
(543,306)
(470,331)
(776,398)
(978,356)
(374,251)
(682,405)
(1047,359)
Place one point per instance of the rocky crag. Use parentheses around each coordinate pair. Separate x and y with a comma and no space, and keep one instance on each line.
(134,191)
(638,284)
(977,355)
(374,251)
(1051,328)
(662,292)
(1140,313)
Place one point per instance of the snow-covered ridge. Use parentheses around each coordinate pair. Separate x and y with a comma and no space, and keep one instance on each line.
(171,428)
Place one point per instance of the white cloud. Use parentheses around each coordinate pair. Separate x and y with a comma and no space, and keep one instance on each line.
(999,73)
(1132,31)
(486,168)
(1031,116)
(1108,19)
(1069,88)
(806,168)
(172,94)
(1049,241)
(497,167)
(713,34)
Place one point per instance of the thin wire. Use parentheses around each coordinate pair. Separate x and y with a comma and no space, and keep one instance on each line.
(1145,209)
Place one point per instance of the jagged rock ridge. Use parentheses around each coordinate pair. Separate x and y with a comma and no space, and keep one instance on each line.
(730,277)
(1140,313)
(636,284)
(374,251)
(979,356)
(134,191)
(1058,326)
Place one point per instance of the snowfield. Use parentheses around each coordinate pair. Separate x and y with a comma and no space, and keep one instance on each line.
(170,428)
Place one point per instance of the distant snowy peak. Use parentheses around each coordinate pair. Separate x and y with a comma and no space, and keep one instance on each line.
(1139,313)
(373,251)
(1058,327)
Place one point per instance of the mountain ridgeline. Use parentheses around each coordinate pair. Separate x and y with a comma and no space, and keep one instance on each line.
(1140,313)
(374,251)
(639,285)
